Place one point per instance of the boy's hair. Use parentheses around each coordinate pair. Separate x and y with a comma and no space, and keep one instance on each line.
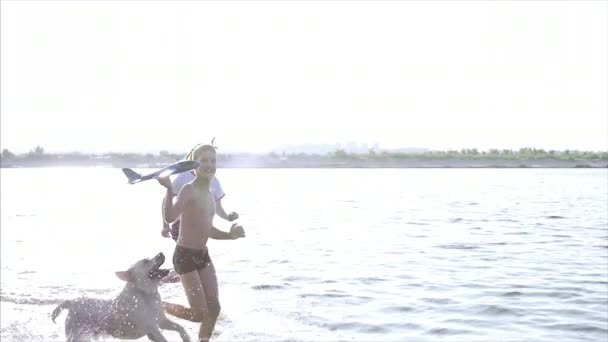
(199,148)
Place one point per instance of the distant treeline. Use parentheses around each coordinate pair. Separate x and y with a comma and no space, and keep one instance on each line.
(473,153)
(38,154)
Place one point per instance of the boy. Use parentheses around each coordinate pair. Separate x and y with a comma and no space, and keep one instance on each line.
(196,206)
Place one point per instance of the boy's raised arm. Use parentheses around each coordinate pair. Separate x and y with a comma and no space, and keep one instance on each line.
(171,211)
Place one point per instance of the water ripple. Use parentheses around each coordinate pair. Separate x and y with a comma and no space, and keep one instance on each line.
(445,255)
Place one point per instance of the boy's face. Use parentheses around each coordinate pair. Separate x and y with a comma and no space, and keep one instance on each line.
(207,160)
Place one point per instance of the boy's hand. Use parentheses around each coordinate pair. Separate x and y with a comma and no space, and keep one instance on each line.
(236,232)
(166,232)
(233,216)
(165,181)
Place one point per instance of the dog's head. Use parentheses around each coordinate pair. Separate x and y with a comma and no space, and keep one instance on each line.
(146,273)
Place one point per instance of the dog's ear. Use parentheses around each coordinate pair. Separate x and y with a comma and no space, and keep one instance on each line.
(125,276)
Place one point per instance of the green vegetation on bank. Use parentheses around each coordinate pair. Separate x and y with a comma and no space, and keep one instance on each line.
(39,156)
(521,154)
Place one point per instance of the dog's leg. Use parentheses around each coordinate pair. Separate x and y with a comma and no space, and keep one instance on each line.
(155,336)
(166,324)
(73,330)
(77,337)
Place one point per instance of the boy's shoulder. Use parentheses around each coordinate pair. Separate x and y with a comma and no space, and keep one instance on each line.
(181,180)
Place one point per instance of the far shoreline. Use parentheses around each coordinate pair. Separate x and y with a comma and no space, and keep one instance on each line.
(327,163)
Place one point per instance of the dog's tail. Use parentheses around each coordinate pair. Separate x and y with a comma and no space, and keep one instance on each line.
(65,305)
(131,175)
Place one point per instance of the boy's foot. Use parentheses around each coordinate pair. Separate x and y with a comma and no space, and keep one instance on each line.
(172,277)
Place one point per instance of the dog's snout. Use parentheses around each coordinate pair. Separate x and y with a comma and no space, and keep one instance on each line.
(160,257)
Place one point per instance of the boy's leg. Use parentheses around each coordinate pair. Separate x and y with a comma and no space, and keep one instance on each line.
(208,279)
(172,277)
(196,298)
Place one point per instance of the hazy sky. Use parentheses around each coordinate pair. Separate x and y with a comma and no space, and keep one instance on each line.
(146,76)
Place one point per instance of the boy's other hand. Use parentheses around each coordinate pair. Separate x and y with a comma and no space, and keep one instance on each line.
(236,232)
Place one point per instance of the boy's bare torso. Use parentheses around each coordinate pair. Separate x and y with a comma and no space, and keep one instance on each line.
(197,219)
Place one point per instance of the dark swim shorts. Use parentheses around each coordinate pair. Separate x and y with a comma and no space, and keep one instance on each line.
(186,260)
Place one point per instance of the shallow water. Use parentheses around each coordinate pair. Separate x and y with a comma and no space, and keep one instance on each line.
(330,254)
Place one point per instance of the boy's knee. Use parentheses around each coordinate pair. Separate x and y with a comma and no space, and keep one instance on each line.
(214,309)
(197,316)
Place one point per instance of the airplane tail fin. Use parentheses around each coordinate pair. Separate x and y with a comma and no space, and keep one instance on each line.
(131,175)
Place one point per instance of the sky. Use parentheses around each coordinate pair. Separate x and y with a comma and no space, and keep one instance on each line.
(146,76)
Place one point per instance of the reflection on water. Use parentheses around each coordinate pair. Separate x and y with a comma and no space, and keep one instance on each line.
(359,254)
